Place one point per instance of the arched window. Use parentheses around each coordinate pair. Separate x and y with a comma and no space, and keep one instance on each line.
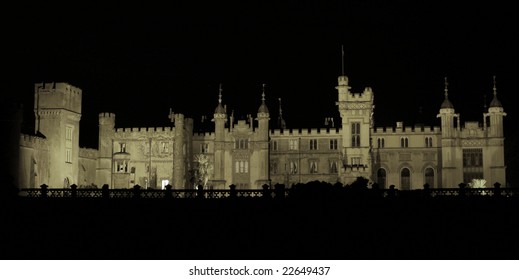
(429,177)
(404,142)
(405,179)
(381,178)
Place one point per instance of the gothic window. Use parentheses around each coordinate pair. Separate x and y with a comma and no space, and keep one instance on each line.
(428,142)
(313,166)
(333,167)
(333,144)
(381,178)
(273,167)
(293,144)
(380,143)
(68,155)
(274,145)
(472,164)
(122,147)
(242,166)
(429,177)
(404,142)
(293,167)
(355,134)
(164,146)
(313,144)
(242,144)
(204,148)
(355,161)
(405,179)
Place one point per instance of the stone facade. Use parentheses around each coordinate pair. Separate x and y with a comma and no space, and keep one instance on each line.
(249,154)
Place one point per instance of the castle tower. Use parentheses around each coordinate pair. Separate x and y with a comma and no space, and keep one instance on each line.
(219,119)
(450,176)
(57,110)
(105,147)
(262,140)
(356,111)
(179,153)
(495,153)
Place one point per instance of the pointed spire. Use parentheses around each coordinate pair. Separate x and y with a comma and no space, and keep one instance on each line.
(495,102)
(263,107)
(342,59)
(220,109)
(446,103)
(220,94)
(281,121)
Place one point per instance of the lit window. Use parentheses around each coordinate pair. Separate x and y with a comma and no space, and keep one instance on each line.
(293,144)
(313,144)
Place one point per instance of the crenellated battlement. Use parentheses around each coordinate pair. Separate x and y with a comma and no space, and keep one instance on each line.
(408,130)
(203,135)
(143,131)
(107,115)
(32,141)
(54,87)
(306,132)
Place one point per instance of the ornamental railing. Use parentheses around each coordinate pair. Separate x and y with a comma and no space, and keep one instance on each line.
(279,191)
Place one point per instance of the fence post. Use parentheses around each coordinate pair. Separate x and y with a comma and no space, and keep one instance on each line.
(392,192)
(73,190)
(200,191)
(233,193)
(279,190)
(266,191)
(136,191)
(497,189)
(462,188)
(169,191)
(44,190)
(105,191)
(426,190)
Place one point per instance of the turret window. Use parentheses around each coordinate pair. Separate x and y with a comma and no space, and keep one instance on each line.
(355,134)
(122,147)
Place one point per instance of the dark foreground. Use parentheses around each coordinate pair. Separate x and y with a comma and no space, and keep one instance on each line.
(256,228)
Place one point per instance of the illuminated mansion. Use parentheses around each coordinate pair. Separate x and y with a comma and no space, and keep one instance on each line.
(248,153)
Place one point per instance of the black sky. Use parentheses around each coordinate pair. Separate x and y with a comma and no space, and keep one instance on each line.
(139,60)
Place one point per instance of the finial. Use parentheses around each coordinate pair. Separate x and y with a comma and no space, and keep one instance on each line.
(495,89)
(446,88)
(220,94)
(263,94)
(342,59)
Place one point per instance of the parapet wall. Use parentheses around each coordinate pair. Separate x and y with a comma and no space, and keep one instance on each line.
(88,153)
(305,132)
(408,130)
(144,131)
(32,141)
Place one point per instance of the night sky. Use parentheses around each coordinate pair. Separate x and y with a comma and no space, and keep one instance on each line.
(139,61)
